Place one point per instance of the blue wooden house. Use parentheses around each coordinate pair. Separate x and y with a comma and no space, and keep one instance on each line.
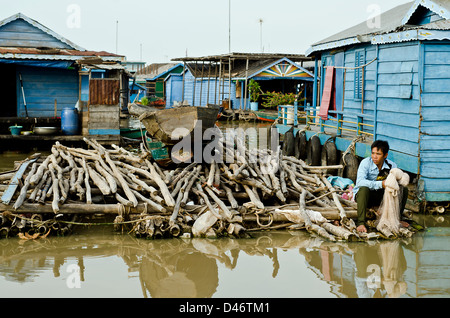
(389,79)
(137,91)
(224,78)
(42,72)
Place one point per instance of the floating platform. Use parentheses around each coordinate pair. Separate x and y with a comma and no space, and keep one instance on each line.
(49,194)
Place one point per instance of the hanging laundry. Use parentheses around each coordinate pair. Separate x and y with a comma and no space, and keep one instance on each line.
(329,94)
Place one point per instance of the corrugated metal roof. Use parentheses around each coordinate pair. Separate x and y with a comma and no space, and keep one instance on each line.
(156,69)
(389,21)
(55,54)
(238,70)
(392,21)
(75,53)
(244,56)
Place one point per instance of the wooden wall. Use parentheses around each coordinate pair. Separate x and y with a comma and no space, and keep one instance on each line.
(42,86)
(407,91)
(104,110)
(398,96)
(20,33)
(435,126)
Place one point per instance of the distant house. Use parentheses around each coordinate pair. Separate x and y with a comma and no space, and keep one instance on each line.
(42,73)
(134,66)
(154,75)
(223,79)
(392,81)
(137,91)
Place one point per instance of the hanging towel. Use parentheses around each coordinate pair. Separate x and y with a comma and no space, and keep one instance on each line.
(329,94)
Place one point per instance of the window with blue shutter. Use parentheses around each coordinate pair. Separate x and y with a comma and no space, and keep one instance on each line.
(360,58)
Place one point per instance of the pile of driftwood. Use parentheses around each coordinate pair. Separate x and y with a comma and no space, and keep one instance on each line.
(246,191)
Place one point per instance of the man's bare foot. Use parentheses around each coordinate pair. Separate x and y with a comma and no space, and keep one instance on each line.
(361,229)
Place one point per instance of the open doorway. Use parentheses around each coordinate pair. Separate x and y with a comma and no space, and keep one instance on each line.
(8,105)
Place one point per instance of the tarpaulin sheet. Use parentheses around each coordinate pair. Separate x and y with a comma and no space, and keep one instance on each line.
(35,63)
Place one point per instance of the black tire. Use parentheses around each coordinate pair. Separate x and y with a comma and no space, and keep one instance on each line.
(329,156)
(314,151)
(301,146)
(350,170)
(288,143)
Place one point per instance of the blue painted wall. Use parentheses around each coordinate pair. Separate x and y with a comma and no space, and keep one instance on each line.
(20,33)
(174,89)
(351,104)
(407,93)
(200,86)
(435,126)
(42,86)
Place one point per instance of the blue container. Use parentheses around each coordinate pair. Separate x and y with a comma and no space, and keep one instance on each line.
(254,106)
(69,121)
(15,130)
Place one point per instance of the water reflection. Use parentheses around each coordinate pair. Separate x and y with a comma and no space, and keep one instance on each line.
(195,267)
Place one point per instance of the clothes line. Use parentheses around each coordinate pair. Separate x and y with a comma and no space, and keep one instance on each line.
(352,68)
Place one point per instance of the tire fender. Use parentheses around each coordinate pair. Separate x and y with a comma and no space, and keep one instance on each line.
(288,143)
(350,169)
(329,156)
(301,145)
(314,151)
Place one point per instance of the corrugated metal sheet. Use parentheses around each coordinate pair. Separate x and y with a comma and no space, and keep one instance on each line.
(55,54)
(104,92)
(392,25)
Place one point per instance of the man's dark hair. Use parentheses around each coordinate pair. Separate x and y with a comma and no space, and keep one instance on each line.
(382,145)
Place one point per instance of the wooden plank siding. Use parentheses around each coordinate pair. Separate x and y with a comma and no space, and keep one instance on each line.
(201,90)
(104,110)
(435,127)
(104,120)
(353,105)
(20,33)
(398,97)
(42,86)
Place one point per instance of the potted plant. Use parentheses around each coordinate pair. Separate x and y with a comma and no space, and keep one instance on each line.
(254,90)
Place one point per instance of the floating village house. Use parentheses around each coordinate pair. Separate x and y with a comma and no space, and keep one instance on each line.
(223,79)
(153,78)
(389,79)
(42,73)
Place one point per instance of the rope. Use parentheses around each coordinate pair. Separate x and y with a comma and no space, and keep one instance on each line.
(264,225)
(72,222)
(351,148)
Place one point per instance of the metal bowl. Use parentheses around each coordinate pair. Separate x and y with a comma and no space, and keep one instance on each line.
(45,130)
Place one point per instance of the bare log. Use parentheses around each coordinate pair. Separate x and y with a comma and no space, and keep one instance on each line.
(335,198)
(162,185)
(302,206)
(108,177)
(24,189)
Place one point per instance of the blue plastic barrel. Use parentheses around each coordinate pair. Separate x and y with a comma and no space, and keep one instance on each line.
(69,121)
(254,106)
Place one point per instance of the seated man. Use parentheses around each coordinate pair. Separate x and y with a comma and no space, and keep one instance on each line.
(370,182)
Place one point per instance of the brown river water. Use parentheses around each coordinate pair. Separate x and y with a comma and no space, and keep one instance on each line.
(96,262)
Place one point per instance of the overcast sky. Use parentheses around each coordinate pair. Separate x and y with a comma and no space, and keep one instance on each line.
(165,29)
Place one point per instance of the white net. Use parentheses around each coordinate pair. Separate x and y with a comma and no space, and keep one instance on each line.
(389,211)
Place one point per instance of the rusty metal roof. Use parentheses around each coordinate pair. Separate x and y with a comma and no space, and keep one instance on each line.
(244,56)
(55,54)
